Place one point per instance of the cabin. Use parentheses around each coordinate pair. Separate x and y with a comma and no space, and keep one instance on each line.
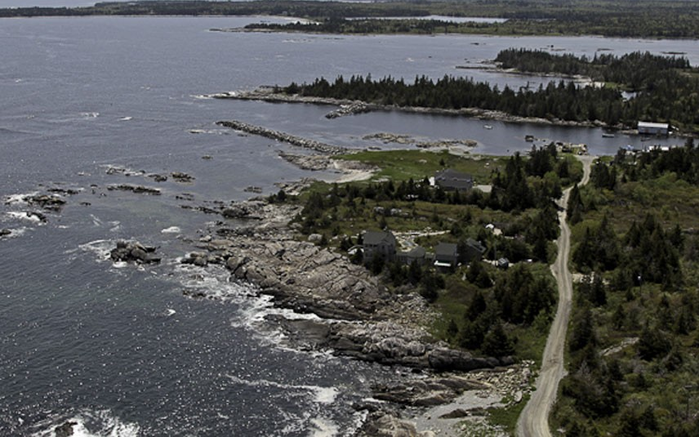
(446,255)
(379,243)
(646,128)
(452,180)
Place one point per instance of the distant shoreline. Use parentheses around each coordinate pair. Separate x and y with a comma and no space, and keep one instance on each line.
(268,94)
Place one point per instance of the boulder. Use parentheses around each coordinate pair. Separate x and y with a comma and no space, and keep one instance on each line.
(244,210)
(52,203)
(138,189)
(65,430)
(135,252)
(181,177)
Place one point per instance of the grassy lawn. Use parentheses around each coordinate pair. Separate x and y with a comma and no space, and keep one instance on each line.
(418,164)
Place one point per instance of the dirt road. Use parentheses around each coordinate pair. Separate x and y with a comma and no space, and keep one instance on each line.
(533,422)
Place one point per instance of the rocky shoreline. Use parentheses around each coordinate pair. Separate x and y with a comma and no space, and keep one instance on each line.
(356,315)
(270,94)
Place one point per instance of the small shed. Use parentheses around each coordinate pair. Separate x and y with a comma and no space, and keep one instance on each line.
(647,128)
(452,180)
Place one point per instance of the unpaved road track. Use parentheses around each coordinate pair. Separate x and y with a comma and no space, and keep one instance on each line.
(533,422)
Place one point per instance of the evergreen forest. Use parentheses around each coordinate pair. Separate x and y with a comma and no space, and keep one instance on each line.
(665,89)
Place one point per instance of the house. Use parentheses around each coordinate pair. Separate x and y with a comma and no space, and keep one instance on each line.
(446,255)
(418,254)
(379,243)
(452,180)
(471,250)
(646,128)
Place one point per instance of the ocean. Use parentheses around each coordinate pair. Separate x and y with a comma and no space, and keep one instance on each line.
(87,103)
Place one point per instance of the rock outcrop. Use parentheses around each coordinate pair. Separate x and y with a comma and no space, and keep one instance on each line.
(138,189)
(65,430)
(368,322)
(134,252)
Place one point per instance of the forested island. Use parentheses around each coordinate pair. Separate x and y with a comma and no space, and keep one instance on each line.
(664,89)
(644,19)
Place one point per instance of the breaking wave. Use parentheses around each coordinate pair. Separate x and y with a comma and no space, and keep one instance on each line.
(100,423)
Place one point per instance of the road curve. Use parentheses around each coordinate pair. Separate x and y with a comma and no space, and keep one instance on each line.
(533,422)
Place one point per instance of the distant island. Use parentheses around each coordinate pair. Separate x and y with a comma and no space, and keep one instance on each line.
(658,88)
(638,19)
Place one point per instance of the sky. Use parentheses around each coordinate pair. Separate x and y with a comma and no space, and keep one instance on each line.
(45,3)
(50,3)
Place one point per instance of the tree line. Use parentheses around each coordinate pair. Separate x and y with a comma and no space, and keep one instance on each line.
(639,285)
(664,91)
(626,18)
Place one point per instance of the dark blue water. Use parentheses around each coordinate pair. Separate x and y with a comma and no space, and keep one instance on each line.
(118,348)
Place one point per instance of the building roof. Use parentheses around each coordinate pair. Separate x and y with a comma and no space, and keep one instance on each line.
(445,249)
(646,124)
(475,244)
(417,252)
(454,179)
(379,237)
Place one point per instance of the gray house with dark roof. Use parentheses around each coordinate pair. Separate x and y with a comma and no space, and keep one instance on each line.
(418,254)
(471,250)
(379,243)
(446,255)
(452,180)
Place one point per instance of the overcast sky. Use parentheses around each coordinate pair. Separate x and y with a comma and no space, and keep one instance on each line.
(49,3)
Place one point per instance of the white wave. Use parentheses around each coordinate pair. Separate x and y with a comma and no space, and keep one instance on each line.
(326,395)
(321,395)
(24,215)
(96,220)
(171,230)
(254,307)
(323,428)
(210,131)
(126,119)
(101,248)
(19,198)
(118,169)
(94,424)
(15,233)
(89,114)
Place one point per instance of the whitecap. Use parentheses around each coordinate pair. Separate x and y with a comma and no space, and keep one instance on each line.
(325,395)
(96,220)
(321,395)
(24,215)
(94,424)
(323,428)
(89,114)
(171,230)
(101,248)
(19,198)
(126,119)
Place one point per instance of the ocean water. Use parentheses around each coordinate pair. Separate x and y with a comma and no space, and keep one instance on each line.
(93,102)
